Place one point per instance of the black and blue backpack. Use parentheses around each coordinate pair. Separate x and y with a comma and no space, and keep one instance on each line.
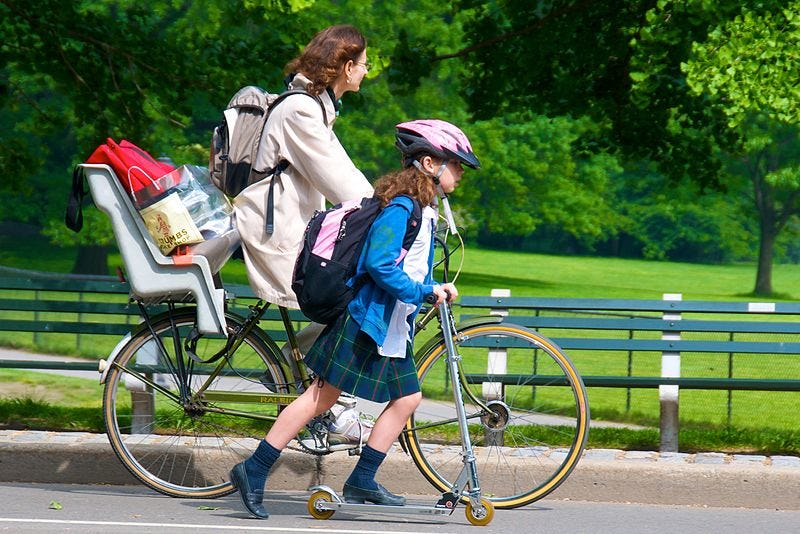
(324,273)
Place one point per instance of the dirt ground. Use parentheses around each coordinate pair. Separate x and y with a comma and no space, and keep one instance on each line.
(16,390)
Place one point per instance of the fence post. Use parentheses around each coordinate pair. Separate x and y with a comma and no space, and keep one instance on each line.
(142,396)
(496,364)
(668,394)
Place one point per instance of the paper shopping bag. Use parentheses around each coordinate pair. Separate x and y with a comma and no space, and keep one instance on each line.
(170,224)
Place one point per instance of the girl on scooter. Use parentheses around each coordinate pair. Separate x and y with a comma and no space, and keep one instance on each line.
(367,351)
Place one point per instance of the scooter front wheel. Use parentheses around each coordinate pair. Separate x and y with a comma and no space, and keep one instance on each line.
(482,515)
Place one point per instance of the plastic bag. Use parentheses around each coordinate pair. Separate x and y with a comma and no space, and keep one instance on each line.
(206,206)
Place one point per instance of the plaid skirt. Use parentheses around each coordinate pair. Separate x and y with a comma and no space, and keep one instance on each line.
(348,359)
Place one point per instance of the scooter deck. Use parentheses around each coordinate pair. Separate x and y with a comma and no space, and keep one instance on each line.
(337,503)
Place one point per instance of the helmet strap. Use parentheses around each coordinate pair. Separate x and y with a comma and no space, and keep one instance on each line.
(448,213)
(436,176)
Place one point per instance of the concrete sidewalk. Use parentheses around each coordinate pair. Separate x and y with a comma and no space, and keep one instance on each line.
(603,475)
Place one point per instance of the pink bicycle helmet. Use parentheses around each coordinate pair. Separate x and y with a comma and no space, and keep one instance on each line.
(435,137)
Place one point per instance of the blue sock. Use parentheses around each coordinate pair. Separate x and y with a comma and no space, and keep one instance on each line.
(363,476)
(258,465)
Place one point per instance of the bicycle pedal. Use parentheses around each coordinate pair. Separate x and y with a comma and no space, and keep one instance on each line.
(312,445)
(343,447)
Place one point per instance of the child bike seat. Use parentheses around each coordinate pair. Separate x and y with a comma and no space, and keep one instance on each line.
(156,278)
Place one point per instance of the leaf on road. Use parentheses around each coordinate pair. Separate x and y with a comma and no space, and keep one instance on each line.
(55,505)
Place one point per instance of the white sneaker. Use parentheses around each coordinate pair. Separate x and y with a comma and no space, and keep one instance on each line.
(349,427)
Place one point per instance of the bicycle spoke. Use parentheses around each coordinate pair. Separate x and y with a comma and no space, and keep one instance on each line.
(529,437)
(160,426)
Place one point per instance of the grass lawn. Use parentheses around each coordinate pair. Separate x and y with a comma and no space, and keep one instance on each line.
(743,421)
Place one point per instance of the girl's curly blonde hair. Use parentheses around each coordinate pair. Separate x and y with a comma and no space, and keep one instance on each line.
(409,181)
(324,58)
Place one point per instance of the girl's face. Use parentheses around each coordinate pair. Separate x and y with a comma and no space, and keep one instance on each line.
(451,175)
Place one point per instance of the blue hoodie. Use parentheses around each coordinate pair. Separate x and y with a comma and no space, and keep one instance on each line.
(373,305)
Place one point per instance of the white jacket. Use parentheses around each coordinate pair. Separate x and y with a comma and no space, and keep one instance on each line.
(320,169)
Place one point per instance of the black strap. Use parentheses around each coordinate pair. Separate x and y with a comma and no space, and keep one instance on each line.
(74,215)
(276,172)
(284,164)
(286,94)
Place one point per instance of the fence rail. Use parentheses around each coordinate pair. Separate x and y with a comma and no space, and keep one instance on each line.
(101,306)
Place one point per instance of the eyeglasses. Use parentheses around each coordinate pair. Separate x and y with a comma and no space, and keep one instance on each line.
(366,64)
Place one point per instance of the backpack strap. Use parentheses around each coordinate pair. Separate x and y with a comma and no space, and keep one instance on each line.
(413,227)
(284,164)
(276,172)
(74,215)
(414,224)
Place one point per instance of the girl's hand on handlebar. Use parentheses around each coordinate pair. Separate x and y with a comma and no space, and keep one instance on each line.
(445,292)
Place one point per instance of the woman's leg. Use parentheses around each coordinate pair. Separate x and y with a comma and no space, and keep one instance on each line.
(361,486)
(314,401)
(250,476)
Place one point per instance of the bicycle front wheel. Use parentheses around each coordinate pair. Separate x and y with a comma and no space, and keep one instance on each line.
(528,416)
(168,435)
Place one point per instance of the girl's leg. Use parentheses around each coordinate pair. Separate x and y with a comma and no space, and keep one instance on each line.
(392,420)
(361,486)
(250,476)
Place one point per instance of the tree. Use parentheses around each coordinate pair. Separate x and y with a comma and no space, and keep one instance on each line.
(535,172)
(748,69)
(668,79)
(156,72)
(159,73)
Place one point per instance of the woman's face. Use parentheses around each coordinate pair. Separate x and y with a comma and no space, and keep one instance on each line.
(356,72)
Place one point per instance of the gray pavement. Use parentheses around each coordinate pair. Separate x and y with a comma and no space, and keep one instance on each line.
(603,475)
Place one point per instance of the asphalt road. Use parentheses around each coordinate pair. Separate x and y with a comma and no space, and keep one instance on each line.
(129,509)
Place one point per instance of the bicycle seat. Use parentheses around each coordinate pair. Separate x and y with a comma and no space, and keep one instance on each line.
(154,277)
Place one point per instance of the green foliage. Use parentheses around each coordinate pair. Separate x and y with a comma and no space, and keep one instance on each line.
(621,84)
(96,230)
(682,223)
(750,63)
(534,171)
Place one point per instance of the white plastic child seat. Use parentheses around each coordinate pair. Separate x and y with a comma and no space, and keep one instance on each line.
(152,276)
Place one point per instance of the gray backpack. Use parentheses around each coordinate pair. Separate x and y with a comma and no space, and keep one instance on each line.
(235,143)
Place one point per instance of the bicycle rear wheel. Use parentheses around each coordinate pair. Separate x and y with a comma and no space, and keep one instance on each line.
(532,434)
(171,439)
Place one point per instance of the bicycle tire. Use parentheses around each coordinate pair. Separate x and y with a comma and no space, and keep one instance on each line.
(541,431)
(182,450)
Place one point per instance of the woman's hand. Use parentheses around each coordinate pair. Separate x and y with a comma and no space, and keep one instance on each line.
(444,292)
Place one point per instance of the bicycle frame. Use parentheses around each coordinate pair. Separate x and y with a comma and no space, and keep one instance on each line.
(234,341)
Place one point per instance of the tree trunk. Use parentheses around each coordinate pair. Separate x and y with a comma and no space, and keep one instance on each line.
(765,251)
(92,259)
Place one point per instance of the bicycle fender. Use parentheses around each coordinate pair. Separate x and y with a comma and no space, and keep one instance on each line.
(469,323)
(105,365)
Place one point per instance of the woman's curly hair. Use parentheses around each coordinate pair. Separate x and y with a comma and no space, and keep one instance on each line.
(409,181)
(324,57)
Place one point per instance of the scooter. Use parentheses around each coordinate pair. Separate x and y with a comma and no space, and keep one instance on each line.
(324,501)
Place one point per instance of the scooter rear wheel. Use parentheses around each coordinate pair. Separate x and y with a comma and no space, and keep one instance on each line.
(313,501)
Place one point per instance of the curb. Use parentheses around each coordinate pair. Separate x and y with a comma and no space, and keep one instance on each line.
(603,475)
